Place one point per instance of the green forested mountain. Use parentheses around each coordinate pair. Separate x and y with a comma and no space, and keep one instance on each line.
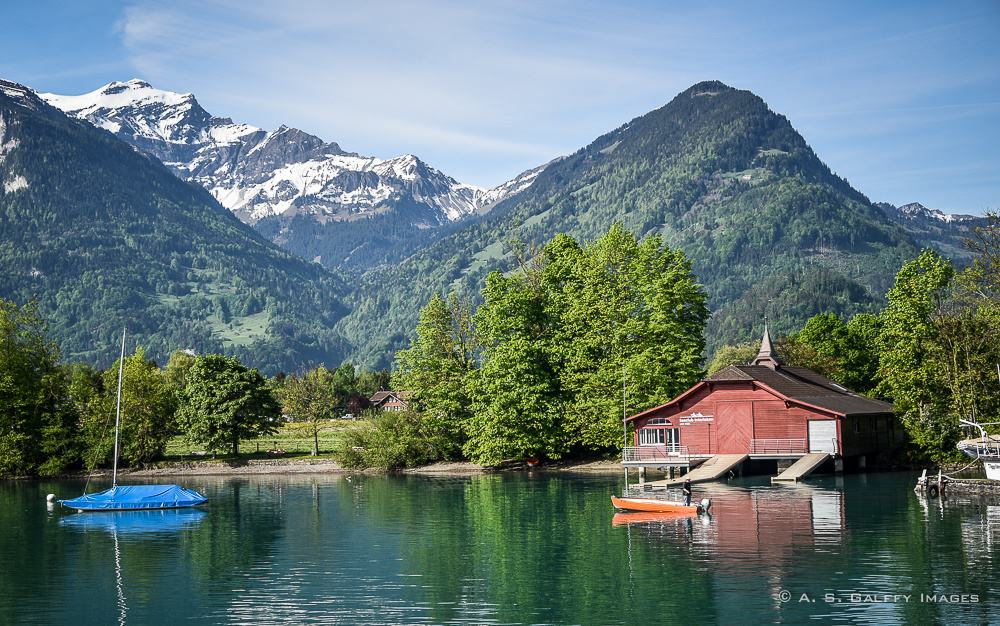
(103,236)
(718,175)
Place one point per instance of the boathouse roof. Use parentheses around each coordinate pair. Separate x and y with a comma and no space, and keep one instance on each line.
(803,385)
(798,385)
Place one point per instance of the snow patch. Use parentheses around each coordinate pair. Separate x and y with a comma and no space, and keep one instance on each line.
(6,145)
(915,210)
(15,90)
(510,188)
(16,183)
(116,95)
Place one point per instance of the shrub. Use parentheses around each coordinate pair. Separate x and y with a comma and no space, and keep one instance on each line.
(392,441)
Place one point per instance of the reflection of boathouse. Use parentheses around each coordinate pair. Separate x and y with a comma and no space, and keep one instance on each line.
(757,525)
(763,411)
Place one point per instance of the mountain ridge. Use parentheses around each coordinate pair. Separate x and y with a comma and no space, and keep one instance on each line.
(283,175)
(933,228)
(770,229)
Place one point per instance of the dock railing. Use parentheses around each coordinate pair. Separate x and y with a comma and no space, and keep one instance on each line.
(778,446)
(671,453)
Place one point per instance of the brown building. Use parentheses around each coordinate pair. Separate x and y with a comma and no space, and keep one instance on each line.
(389,401)
(766,410)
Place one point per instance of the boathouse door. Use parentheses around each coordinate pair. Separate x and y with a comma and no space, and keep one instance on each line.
(823,436)
(735,427)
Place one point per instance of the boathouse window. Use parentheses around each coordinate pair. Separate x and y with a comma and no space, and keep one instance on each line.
(654,434)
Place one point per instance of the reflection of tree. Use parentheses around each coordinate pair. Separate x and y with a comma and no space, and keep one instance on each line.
(533,549)
(549,543)
(511,548)
(55,572)
(29,535)
(241,528)
(931,556)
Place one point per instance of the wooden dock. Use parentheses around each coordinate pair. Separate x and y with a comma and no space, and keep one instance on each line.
(712,469)
(802,468)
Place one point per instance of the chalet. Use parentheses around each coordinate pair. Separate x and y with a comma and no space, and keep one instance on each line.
(765,410)
(389,401)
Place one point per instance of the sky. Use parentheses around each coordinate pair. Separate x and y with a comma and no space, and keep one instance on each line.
(900,98)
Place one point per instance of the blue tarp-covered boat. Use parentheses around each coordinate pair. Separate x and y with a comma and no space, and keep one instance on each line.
(136,498)
(132,497)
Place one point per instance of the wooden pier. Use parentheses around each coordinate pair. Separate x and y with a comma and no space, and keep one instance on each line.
(806,465)
(713,469)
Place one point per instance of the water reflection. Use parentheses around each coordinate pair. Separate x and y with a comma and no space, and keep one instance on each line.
(134,522)
(624,519)
(770,522)
(496,549)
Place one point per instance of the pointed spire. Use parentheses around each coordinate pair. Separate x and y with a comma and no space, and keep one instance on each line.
(767,355)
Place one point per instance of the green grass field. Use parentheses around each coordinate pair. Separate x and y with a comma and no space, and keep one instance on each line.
(294,439)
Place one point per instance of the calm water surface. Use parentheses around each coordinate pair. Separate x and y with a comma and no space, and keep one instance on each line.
(499,549)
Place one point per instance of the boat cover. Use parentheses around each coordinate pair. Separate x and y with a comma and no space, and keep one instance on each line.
(136,497)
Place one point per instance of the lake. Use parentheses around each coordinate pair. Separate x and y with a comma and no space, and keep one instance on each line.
(513,548)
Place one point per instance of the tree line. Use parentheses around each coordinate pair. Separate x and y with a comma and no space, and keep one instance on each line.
(59,417)
(540,368)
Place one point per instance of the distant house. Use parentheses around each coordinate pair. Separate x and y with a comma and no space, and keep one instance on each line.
(389,401)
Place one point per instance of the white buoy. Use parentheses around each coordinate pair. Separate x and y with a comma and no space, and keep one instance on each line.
(50,498)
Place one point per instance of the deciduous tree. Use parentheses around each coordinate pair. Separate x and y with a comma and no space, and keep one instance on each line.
(910,355)
(738,354)
(434,371)
(224,401)
(312,399)
(31,395)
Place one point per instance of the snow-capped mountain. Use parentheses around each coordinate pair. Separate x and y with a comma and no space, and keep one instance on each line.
(933,228)
(274,178)
(490,198)
(915,210)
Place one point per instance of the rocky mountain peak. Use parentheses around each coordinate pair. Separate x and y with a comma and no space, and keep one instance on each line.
(260,174)
(915,210)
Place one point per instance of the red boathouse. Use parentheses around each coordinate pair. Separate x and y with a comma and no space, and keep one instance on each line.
(764,410)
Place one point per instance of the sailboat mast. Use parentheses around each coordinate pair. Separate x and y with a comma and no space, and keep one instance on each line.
(624,408)
(118,410)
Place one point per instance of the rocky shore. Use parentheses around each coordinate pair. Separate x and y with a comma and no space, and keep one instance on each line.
(306,465)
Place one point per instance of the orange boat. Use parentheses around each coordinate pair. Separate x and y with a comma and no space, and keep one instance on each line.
(650,505)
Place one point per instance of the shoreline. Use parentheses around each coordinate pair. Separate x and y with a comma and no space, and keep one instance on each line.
(246,467)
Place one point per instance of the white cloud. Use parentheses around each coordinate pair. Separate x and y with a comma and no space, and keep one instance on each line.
(431,78)
(484,91)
